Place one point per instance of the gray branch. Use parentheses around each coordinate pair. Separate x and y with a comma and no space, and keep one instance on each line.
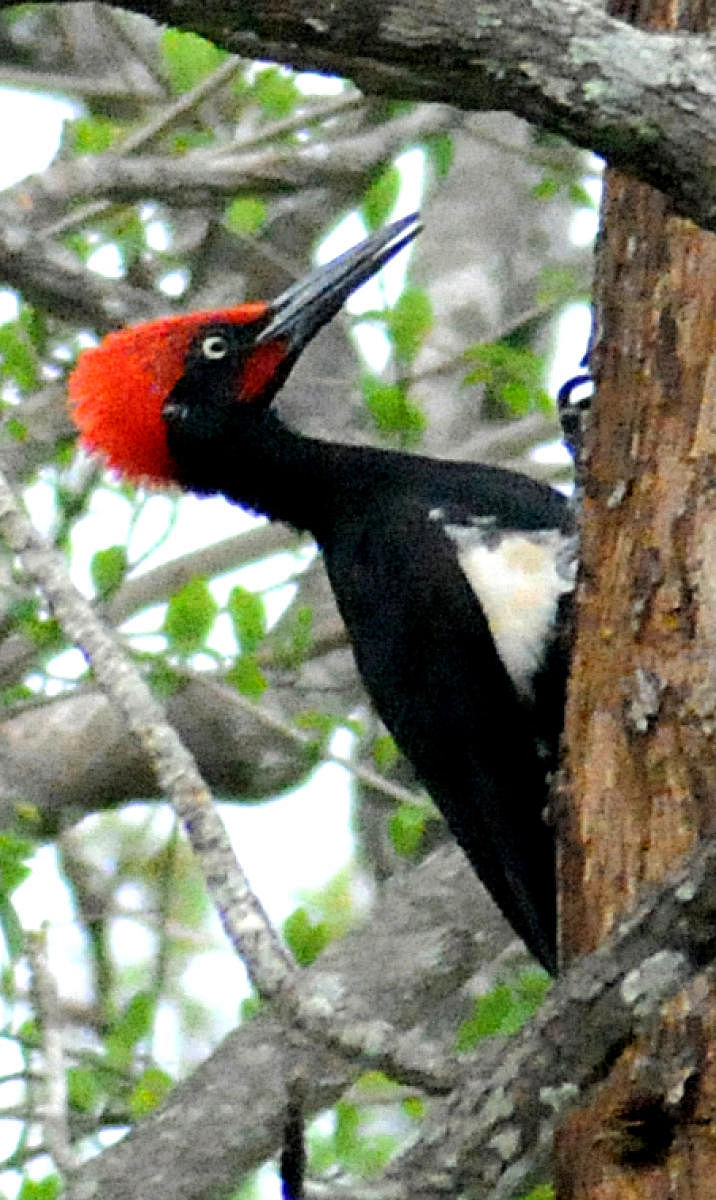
(491,1136)
(50,277)
(645,101)
(433,928)
(230,171)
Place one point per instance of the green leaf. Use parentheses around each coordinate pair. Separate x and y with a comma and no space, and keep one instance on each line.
(305,938)
(407,826)
(334,904)
(385,752)
(14,868)
(35,324)
(84,1088)
(137,1019)
(15,429)
(359,1154)
(514,374)
(190,615)
(188,58)
(543,1191)
(79,243)
(12,930)
(29,1033)
(578,194)
(127,232)
(151,1088)
(505,1009)
(323,725)
(440,149)
(380,198)
(414,1107)
(547,188)
(18,360)
(15,693)
(48,1188)
(409,322)
(107,570)
(251,1189)
(182,140)
(247,677)
(43,632)
(248,618)
(489,1014)
(346,1132)
(373,1086)
(320,722)
(532,987)
(276,91)
(250,1007)
(245,215)
(134,1024)
(91,135)
(392,411)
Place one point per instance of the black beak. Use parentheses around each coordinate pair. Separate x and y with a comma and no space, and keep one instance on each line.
(306,306)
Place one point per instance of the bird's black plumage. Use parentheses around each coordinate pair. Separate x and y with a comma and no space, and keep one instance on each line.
(483,748)
(453,581)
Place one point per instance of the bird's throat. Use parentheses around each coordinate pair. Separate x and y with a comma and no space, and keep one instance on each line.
(266,467)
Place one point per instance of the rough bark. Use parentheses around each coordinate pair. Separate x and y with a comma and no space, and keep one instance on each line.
(642,768)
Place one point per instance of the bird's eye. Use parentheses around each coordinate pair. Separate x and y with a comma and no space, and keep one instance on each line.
(215,346)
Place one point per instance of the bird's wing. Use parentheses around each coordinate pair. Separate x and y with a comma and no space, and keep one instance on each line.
(422,603)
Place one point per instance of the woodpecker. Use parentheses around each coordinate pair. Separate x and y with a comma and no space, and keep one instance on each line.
(453,578)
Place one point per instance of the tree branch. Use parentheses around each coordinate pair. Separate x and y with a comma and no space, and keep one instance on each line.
(644,101)
(492,1136)
(431,930)
(50,277)
(54,1112)
(229,170)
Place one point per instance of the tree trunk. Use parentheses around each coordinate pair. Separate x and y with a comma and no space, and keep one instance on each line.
(640,720)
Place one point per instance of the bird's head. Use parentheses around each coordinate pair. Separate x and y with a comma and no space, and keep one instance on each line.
(185,374)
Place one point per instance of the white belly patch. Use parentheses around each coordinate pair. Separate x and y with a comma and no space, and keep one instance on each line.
(518,579)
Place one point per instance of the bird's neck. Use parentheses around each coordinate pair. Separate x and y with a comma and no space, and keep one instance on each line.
(287,476)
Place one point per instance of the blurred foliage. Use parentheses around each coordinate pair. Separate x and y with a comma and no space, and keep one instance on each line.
(245,215)
(190,617)
(513,374)
(407,826)
(188,58)
(14,869)
(505,1009)
(108,568)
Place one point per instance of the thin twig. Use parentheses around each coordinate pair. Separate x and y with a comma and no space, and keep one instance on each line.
(53,1113)
(367,776)
(158,124)
(80,85)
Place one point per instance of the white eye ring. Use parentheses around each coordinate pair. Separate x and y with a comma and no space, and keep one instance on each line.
(215,346)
